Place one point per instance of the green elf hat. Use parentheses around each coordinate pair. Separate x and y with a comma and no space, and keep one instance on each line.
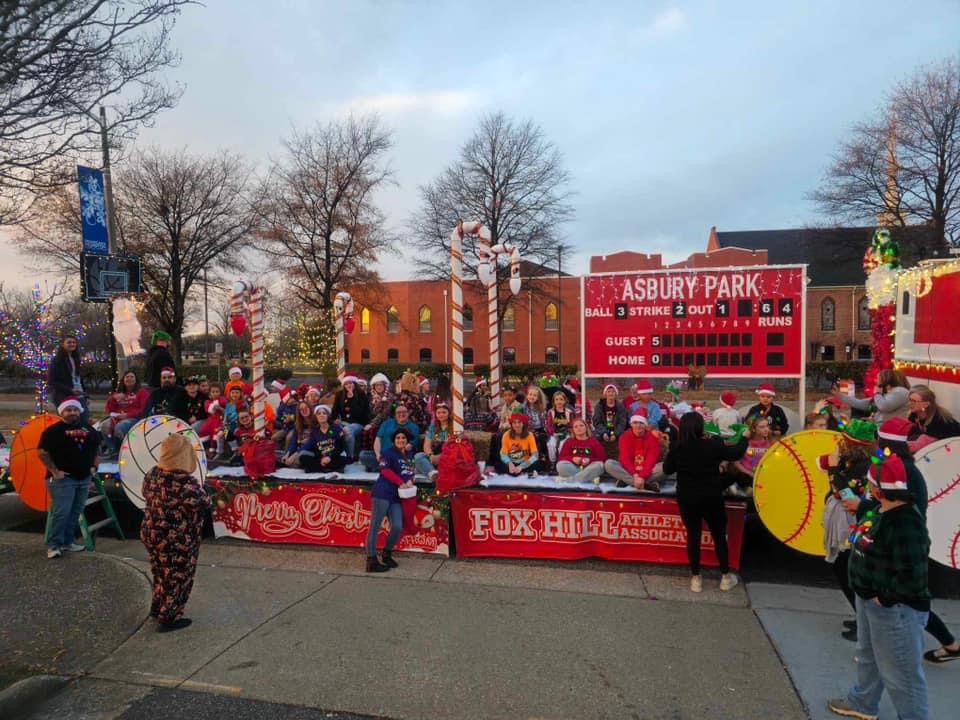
(674,390)
(712,428)
(162,335)
(549,380)
(860,432)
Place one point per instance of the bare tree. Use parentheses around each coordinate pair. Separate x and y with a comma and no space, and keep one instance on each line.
(321,220)
(904,164)
(510,177)
(60,60)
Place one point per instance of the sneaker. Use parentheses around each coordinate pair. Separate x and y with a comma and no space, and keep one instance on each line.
(941,655)
(850,624)
(842,707)
(850,635)
(74,547)
(652,486)
(696,583)
(53,553)
(433,475)
(728,581)
(177,624)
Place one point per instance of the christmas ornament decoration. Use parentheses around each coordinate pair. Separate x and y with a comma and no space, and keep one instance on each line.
(481,232)
(247,298)
(141,448)
(343,325)
(27,473)
(487,273)
(126,326)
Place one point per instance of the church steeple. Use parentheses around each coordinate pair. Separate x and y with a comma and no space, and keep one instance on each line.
(891,214)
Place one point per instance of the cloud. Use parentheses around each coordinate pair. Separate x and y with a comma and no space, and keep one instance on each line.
(448,103)
(669,21)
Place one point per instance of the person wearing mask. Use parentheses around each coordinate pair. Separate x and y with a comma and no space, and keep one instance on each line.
(63,375)
(396,471)
(175,505)
(168,399)
(640,451)
(158,358)
(370,459)
(696,458)
(888,574)
(351,409)
(69,450)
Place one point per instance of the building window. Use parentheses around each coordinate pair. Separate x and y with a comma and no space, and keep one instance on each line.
(364,355)
(550,354)
(827,353)
(425,319)
(551,317)
(863,314)
(509,356)
(365,321)
(828,314)
(426,355)
(905,303)
(393,319)
(393,355)
(468,356)
(467,318)
(864,352)
(509,318)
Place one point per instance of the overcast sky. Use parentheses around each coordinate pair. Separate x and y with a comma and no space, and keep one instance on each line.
(672,117)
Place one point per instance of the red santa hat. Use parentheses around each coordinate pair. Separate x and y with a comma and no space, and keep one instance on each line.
(573,385)
(640,416)
(514,417)
(361,380)
(70,402)
(168,371)
(766,389)
(896,429)
(380,378)
(235,372)
(891,474)
(349,378)
(302,389)
(642,387)
(606,387)
(422,380)
(285,393)
(480,381)
(278,385)
(728,399)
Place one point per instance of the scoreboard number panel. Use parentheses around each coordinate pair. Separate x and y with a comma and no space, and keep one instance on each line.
(735,321)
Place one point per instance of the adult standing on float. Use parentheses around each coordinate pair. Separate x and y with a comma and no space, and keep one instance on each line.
(889,397)
(63,375)
(158,358)
(696,458)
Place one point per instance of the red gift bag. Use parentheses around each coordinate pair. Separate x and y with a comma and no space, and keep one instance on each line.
(458,466)
(259,458)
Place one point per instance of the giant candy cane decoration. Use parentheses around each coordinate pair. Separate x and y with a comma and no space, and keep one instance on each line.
(487,272)
(247,298)
(456,272)
(343,325)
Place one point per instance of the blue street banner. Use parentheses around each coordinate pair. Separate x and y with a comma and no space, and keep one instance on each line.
(93,211)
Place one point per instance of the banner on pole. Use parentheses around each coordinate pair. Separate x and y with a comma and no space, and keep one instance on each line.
(734,322)
(93,211)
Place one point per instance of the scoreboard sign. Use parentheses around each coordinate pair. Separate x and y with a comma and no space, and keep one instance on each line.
(735,322)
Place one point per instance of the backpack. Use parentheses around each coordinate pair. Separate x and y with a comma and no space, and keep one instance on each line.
(458,465)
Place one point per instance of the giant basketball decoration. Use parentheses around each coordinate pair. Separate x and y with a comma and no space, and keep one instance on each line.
(939,463)
(28,474)
(789,488)
(141,447)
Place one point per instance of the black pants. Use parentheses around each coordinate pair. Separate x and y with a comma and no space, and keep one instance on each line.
(840,567)
(938,629)
(712,511)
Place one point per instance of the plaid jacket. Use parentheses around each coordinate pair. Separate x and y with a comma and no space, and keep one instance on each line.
(889,559)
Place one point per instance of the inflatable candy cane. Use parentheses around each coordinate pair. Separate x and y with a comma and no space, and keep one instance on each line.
(487,272)
(343,325)
(246,298)
(456,272)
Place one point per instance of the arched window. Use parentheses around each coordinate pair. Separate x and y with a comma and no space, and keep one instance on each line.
(467,318)
(509,356)
(426,355)
(425,319)
(393,319)
(509,318)
(828,314)
(393,355)
(551,317)
(863,314)
(364,355)
(468,356)
(365,321)
(550,354)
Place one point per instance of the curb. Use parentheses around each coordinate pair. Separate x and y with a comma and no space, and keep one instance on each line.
(24,695)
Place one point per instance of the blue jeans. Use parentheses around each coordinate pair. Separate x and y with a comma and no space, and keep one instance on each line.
(69,496)
(890,655)
(382,509)
(351,437)
(421,461)
(368,458)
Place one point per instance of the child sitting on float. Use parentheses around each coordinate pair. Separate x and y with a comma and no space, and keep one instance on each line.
(743,470)
(440,430)
(558,424)
(768,409)
(303,426)
(518,449)
(324,449)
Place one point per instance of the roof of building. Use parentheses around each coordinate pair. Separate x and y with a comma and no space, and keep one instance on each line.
(834,255)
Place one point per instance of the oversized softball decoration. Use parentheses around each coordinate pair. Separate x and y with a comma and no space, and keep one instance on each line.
(27,473)
(344,324)
(487,273)
(939,463)
(789,488)
(246,298)
(481,232)
(141,445)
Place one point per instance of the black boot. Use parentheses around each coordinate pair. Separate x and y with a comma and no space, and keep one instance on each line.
(388,559)
(374,565)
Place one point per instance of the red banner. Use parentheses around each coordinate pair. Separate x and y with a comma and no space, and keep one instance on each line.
(737,322)
(554,526)
(317,514)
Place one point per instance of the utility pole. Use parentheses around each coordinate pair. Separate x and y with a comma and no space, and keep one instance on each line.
(206,321)
(111,233)
(559,306)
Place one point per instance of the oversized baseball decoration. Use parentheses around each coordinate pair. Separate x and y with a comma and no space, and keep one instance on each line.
(126,326)
(481,232)
(246,298)
(140,447)
(789,488)
(939,463)
(343,325)
(487,273)
(28,474)
(882,265)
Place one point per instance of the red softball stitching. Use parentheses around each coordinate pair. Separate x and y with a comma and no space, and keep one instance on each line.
(806,481)
(948,489)
(953,550)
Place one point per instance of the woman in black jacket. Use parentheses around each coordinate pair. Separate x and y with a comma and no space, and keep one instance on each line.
(63,375)
(352,410)
(696,461)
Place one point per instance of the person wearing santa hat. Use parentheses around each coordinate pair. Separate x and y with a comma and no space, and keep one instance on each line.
(286,416)
(610,419)
(351,409)
(476,410)
(640,450)
(766,408)
(643,398)
(69,450)
(888,573)
(236,380)
(727,414)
